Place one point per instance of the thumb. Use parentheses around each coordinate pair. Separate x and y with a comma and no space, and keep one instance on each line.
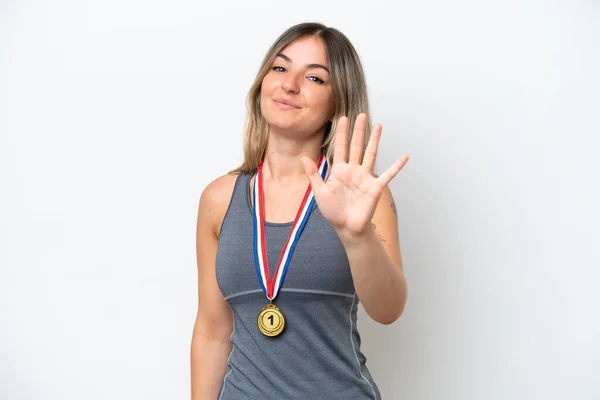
(312,173)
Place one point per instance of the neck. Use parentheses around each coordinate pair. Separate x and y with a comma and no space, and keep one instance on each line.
(282,158)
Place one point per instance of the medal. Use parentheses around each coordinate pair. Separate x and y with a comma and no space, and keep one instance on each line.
(270,320)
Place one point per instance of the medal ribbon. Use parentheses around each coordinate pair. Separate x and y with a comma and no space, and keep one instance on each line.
(271,287)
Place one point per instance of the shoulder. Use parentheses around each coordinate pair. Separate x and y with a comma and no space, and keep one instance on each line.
(385,224)
(219,190)
(386,203)
(387,199)
(385,211)
(215,199)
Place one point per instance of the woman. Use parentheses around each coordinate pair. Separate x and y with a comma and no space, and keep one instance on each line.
(256,337)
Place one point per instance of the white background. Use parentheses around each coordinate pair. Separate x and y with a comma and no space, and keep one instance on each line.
(115,114)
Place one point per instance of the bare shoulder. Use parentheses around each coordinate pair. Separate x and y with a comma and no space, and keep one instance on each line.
(215,199)
(386,199)
(385,225)
(386,203)
(220,189)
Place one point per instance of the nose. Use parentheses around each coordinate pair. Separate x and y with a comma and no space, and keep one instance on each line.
(290,84)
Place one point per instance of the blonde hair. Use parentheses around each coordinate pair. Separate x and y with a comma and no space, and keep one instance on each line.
(347,80)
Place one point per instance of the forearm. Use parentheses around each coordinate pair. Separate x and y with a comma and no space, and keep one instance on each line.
(380,285)
(208,366)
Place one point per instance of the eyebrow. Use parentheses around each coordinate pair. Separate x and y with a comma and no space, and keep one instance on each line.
(286,58)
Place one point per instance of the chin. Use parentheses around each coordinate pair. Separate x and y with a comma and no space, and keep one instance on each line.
(281,120)
(283,124)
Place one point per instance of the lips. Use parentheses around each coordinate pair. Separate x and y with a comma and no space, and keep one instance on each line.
(283,103)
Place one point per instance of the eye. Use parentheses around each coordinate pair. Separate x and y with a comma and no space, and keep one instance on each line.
(316,79)
(278,68)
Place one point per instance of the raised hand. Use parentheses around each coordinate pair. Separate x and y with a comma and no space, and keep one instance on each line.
(350,195)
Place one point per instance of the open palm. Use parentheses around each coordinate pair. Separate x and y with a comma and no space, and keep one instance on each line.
(350,195)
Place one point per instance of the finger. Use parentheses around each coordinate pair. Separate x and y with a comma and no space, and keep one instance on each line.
(385,178)
(371,150)
(312,173)
(340,141)
(357,144)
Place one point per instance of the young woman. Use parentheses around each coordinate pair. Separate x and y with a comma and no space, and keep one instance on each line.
(290,241)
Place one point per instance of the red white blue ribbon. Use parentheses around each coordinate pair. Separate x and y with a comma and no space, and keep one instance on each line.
(271,286)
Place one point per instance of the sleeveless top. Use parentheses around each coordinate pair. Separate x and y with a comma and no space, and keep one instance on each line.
(317,356)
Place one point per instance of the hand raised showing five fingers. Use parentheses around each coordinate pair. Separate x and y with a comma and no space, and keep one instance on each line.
(350,195)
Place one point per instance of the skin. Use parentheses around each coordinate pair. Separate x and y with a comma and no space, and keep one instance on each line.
(361,208)
(358,204)
(299,75)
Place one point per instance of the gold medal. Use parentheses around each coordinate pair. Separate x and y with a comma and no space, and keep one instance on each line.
(270,320)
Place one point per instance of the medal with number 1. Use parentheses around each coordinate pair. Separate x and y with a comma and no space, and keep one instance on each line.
(270,320)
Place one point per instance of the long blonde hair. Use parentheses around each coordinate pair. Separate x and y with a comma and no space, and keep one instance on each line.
(348,83)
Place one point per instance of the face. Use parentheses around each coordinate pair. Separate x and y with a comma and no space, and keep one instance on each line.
(296,94)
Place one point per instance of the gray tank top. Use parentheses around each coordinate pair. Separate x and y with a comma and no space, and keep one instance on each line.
(318,354)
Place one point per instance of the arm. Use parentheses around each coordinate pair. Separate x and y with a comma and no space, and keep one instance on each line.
(211,343)
(376,264)
(354,200)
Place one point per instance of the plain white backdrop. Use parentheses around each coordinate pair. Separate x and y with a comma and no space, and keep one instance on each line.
(114,115)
